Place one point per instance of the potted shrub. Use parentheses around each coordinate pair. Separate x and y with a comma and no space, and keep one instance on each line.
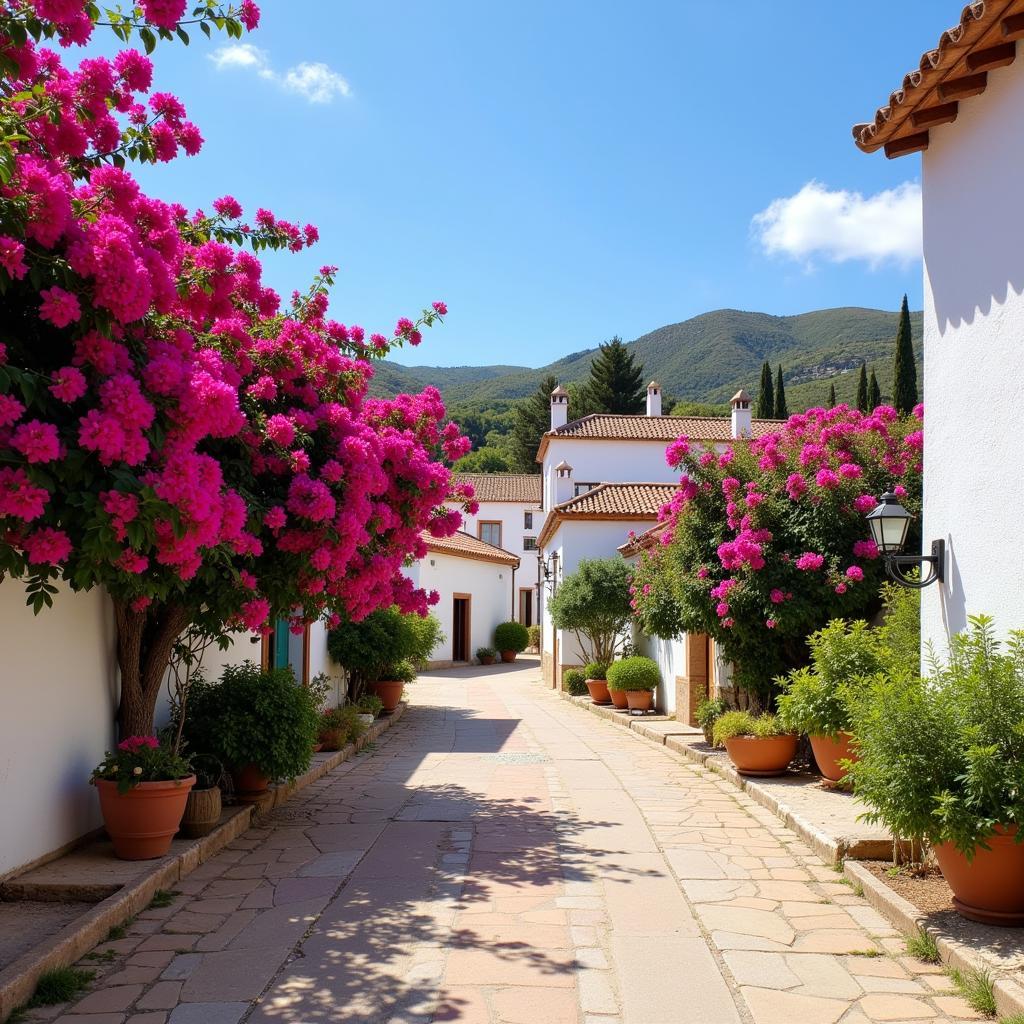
(576,682)
(593,602)
(534,634)
(595,676)
(390,688)
(709,711)
(369,707)
(143,787)
(261,725)
(339,726)
(511,638)
(942,760)
(637,678)
(756,744)
(486,655)
(204,805)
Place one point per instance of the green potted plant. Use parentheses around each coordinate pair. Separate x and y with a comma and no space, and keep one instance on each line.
(511,638)
(339,726)
(486,655)
(534,634)
(143,786)
(576,682)
(204,805)
(391,688)
(596,676)
(261,725)
(637,678)
(756,744)
(369,707)
(941,759)
(708,712)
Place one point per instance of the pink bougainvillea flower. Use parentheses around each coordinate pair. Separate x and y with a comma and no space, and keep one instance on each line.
(59,307)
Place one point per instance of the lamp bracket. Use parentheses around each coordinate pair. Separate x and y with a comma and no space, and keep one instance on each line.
(936,560)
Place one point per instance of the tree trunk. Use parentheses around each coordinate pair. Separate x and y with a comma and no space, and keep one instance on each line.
(144,643)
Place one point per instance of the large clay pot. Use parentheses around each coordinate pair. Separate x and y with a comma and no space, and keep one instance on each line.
(619,699)
(990,887)
(250,783)
(639,700)
(761,755)
(828,752)
(508,656)
(390,693)
(487,660)
(598,690)
(202,812)
(333,739)
(143,820)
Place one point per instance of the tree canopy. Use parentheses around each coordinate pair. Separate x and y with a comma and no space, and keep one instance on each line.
(616,382)
(593,602)
(904,388)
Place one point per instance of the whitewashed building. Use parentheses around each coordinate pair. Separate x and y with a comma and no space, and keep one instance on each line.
(963,108)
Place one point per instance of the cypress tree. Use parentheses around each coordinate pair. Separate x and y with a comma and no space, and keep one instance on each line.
(781,409)
(862,388)
(532,419)
(765,408)
(874,392)
(831,396)
(616,382)
(904,377)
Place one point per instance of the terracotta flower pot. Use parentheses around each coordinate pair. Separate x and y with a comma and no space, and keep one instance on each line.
(333,739)
(829,752)
(250,783)
(508,656)
(390,693)
(142,821)
(317,747)
(202,812)
(598,690)
(761,755)
(619,699)
(639,700)
(487,661)
(990,887)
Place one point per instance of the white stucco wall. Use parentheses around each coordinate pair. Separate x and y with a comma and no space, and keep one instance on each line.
(511,515)
(974,359)
(58,701)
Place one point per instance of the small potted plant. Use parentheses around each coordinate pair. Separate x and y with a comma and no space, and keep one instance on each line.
(390,688)
(486,655)
(595,675)
(637,678)
(511,638)
(369,707)
(576,682)
(339,726)
(204,805)
(756,744)
(143,787)
(533,632)
(708,712)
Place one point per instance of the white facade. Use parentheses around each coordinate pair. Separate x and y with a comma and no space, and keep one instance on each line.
(513,517)
(974,360)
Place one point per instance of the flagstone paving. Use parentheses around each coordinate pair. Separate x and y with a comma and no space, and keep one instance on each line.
(503,857)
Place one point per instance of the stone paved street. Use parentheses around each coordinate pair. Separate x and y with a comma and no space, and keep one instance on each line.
(502,856)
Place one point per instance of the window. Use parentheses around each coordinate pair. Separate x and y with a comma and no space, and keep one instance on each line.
(529,543)
(582,488)
(527,520)
(490,532)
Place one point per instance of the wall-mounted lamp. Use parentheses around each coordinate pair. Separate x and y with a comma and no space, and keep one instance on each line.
(889,523)
(548,569)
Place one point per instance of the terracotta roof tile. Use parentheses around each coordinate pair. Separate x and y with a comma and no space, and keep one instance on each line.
(464,545)
(632,501)
(521,488)
(956,68)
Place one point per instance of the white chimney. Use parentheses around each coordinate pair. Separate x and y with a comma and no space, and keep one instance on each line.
(563,482)
(741,424)
(654,399)
(559,407)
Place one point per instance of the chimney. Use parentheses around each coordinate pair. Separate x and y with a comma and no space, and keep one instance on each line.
(654,399)
(563,482)
(559,407)
(741,425)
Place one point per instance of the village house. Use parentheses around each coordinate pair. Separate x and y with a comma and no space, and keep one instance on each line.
(963,109)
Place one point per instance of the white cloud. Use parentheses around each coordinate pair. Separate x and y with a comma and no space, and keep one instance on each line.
(838,226)
(316,83)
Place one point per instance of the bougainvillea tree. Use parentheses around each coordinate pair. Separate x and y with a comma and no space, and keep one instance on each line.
(169,431)
(765,542)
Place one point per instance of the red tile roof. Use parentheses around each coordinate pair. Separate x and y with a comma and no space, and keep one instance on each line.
(520,488)
(464,545)
(627,502)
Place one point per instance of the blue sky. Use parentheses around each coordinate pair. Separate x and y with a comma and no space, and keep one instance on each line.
(560,171)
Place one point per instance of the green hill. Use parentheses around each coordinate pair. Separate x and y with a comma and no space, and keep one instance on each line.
(707,358)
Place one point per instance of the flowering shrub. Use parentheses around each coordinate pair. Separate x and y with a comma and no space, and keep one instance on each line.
(141,759)
(766,542)
(169,430)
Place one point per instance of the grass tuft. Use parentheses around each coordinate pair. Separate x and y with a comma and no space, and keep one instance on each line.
(162,898)
(865,952)
(119,931)
(1017,1018)
(59,986)
(108,956)
(977,988)
(921,946)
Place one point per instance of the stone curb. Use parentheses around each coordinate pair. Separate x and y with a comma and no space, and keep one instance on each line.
(906,918)
(833,850)
(19,979)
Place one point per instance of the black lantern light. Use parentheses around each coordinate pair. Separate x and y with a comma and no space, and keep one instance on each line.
(890,523)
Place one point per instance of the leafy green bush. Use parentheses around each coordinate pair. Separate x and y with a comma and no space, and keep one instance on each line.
(595,670)
(511,636)
(534,634)
(743,723)
(370,704)
(942,758)
(340,726)
(425,635)
(371,648)
(576,682)
(485,652)
(403,672)
(254,717)
(708,712)
(633,674)
(594,602)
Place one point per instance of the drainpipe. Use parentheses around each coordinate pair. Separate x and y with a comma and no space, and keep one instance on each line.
(513,615)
